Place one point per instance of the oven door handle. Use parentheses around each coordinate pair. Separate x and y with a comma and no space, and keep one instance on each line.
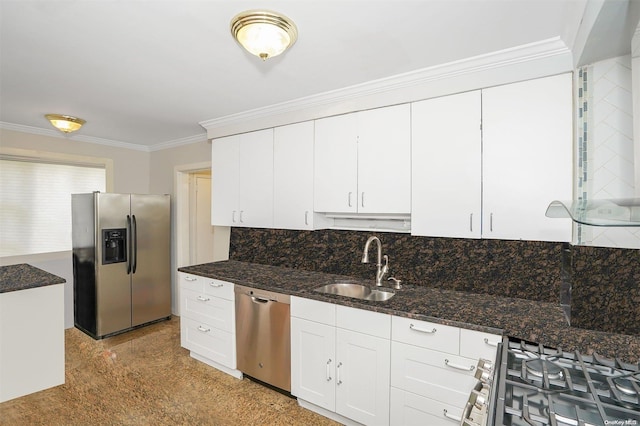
(465,413)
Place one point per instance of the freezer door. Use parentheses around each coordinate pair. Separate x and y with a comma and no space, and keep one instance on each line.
(113,284)
(151,276)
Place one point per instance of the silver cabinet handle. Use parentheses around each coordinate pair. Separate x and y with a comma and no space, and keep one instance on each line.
(362,199)
(349,199)
(215,284)
(471,222)
(422,330)
(329,370)
(306,217)
(449,416)
(204,330)
(490,343)
(491,222)
(458,367)
(338,373)
(190,279)
(241,211)
(203,299)
(233,216)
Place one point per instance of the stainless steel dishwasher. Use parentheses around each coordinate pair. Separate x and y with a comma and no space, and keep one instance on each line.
(263,336)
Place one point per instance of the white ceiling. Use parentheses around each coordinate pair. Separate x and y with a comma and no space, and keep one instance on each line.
(147,72)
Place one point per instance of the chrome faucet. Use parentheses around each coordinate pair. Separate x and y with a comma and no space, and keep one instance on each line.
(382,270)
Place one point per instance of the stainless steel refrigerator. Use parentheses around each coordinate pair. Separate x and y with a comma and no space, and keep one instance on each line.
(121,261)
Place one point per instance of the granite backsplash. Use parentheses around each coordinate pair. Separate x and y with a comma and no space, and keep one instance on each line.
(523,269)
(605,289)
(600,284)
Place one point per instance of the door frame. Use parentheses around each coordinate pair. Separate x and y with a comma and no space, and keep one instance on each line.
(181,234)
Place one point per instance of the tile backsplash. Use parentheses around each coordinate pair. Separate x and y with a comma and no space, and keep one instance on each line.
(601,284)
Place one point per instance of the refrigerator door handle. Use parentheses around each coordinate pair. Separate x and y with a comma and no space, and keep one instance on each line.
(135,244)
(130,245)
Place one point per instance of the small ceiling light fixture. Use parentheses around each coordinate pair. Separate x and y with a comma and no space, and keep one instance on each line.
(264,33)
(65,123)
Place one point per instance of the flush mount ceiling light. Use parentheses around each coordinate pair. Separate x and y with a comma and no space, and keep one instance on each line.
(264,33)
(65,123)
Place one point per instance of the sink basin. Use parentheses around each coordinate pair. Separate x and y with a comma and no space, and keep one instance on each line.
(357,291)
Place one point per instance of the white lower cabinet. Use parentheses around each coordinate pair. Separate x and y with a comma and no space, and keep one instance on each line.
(340,361)
(432,370)
(31,340)
(207,321)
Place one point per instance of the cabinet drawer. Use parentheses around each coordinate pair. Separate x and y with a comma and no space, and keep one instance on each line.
(410,409)
(192,282)
(219,313)
(367,322)
(426,334)
(476,344)
(219,288)
(313,310)
(436,375)
(209,342)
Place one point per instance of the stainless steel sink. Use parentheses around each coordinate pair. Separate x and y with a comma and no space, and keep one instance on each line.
(357,291)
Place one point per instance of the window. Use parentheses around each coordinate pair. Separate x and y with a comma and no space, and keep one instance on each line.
(35,202)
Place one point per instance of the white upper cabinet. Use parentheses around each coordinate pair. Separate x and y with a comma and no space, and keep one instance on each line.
(225,171)
(242,180)
(336,161)
(293,176)
(494,181)
(363,162)
(527,158)
(447,166)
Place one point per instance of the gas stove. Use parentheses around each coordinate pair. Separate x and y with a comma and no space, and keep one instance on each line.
(537,385)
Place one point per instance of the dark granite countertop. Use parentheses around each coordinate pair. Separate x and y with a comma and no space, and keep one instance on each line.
(24,276)
(533,321)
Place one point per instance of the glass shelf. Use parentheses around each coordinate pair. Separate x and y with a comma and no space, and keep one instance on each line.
(611,212)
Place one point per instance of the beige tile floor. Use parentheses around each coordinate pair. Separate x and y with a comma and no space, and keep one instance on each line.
(144,377)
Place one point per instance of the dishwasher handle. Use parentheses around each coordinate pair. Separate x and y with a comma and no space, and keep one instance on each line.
(256,299)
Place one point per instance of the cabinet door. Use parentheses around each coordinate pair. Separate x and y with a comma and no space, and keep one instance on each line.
(293,176)
(225,171)
(256,179)
(313,347)
(384,160)
(527,158)
(335,161)
(362,377)
(446,144)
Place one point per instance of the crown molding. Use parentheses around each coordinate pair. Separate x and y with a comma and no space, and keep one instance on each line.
(80,138)
(529,53)
(101,141)
(202,137)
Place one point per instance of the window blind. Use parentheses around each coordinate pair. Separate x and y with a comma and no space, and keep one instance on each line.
(35,203)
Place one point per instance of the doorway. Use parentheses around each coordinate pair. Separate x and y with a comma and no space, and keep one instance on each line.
(196,240)
(201,231)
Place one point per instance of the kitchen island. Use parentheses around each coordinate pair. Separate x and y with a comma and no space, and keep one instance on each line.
(533,321)
(31,330)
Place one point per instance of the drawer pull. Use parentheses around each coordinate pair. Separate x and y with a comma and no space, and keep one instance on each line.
(215,284)
(490,343)
(204,330)
(458,367)
(329,370)
(339,382)
(203,299)
(422,330)
(449,416)
(190,279)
